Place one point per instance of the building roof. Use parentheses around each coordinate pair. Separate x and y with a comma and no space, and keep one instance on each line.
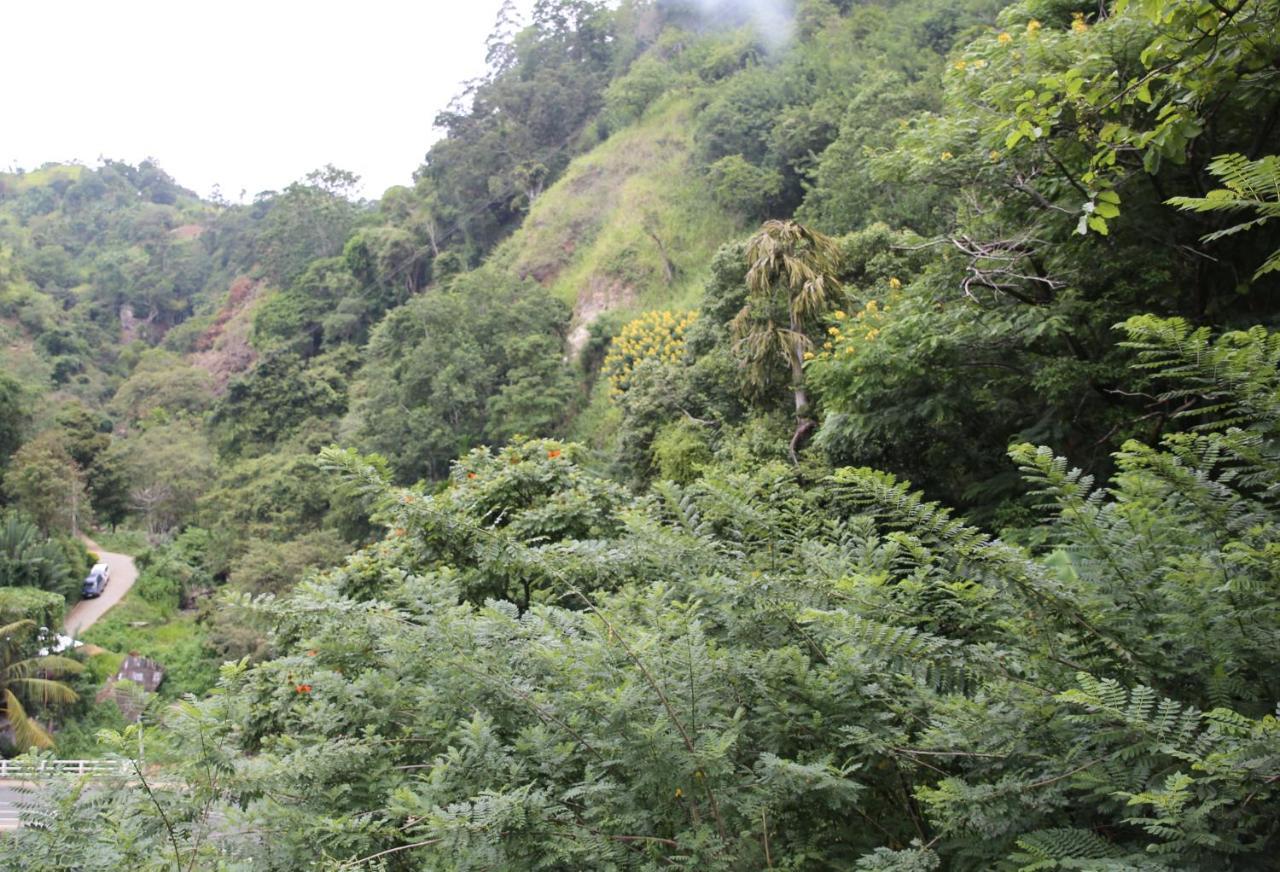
(141,670)
(143,677)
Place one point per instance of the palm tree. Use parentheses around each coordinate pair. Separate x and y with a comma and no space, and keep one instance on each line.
(26,558)
(30,678)
(791,285)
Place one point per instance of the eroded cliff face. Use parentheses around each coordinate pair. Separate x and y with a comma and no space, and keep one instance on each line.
(224,349)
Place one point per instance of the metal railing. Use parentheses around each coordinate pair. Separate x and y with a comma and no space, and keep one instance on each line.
(28,770)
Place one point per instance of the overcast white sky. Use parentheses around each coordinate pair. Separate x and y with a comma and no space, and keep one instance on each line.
(247,95)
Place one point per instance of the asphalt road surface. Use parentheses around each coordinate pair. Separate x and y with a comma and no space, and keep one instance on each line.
(123,574)
(8,809)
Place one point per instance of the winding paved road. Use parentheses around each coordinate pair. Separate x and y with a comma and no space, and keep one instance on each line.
(82,616)
(123,574)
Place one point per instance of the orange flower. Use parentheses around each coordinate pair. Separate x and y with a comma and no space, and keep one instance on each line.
(303,688)
(471,475)
(311,653)
(553,453)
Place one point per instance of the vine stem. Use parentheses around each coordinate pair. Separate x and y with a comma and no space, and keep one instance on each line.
(354,863)
(168,825)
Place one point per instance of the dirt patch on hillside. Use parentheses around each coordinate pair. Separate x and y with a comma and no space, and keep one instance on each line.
(585,182)
(129,329)
(552,236)
(187,232)
(224,350)
(545,265)
(601,294)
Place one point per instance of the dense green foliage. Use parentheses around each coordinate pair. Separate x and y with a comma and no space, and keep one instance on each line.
(29,559)
(26,680)
(31,603)
(534,532)
(513,131)
(477,361)
(757,669)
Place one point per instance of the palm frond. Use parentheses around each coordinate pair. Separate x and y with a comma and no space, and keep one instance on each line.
(45,689)
(51,664)
(17,628)
(26,732)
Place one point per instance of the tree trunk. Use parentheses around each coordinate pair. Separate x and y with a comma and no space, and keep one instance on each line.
(432,231)
(668,265)
(804,424)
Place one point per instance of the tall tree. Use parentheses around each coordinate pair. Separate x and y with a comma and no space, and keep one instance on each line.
(169,467)
(109,484)
(791,286)
(13,416)
(310,220)
(45,482)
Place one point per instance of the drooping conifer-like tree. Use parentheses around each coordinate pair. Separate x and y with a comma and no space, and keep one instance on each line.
(791,285)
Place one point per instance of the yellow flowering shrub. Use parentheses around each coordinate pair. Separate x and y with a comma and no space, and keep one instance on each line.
(852,331)
(652,336)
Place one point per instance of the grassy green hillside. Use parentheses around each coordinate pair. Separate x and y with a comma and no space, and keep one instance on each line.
(630,226)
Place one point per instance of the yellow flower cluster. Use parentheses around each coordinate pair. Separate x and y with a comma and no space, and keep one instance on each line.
(850,331)
(1078,23)
(1004,38)
(653,336)
(1033,26)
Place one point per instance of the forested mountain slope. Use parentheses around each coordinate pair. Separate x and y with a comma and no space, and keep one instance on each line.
(584,504)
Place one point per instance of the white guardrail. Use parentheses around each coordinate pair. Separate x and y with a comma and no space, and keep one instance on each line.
(27,770)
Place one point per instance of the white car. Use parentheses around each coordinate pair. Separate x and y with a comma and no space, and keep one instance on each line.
(96,582)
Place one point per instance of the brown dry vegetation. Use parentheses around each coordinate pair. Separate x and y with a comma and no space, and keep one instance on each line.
(224,349)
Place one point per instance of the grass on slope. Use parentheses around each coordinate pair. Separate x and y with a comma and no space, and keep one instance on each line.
(631,225)
(121,540)
(175,639)
(39,178)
